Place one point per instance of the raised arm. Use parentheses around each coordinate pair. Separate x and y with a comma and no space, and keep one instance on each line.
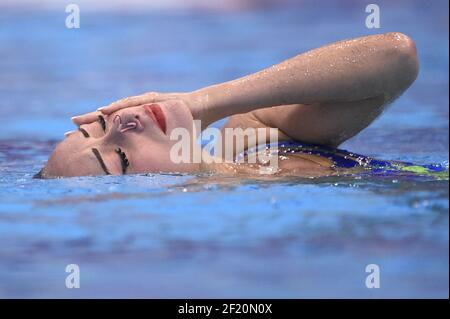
(351,70)
(375,68)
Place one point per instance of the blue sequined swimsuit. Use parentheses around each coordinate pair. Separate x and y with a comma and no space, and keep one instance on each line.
(346,160)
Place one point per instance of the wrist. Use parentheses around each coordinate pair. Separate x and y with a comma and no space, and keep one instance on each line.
(199,104)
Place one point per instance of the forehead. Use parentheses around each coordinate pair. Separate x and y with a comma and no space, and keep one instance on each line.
(83,164)
(73,157)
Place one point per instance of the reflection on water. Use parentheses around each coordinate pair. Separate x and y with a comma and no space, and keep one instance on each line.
(144,235)
(205,236)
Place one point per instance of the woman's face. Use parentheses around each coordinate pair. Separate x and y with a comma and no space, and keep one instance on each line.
(132,140)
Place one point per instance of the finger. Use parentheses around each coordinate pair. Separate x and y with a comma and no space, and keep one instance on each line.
(85,118)
(129,102)
(69,133)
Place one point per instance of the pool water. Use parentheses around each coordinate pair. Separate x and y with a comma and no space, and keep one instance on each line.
(202,236)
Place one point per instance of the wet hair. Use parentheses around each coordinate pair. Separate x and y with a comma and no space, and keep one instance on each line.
(40,174)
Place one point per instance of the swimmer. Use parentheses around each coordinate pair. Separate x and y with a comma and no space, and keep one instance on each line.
(315,100)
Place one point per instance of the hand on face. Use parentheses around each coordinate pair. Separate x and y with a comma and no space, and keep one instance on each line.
(131,140)
(147,98)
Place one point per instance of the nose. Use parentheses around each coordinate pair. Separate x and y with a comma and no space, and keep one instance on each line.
(123,124)
(124,127)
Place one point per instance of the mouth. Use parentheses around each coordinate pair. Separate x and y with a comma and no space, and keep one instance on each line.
(155,112)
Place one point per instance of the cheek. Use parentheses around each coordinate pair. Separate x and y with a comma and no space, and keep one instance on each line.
(152,159)
(179,116)
(151,156)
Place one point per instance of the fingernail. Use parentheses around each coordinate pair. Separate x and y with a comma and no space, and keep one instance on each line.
(74,117)
(68,133)
(101,108)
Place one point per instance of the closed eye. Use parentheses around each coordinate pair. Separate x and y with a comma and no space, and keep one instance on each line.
(102,122)
(123,160)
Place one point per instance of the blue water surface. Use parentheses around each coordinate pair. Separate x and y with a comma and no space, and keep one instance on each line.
(200,236)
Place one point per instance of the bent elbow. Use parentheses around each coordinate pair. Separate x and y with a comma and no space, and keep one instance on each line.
(404,66)
(406,57)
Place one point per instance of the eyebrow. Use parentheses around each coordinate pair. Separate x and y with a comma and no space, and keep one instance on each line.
(84,132)
(100,121)
(100,160)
